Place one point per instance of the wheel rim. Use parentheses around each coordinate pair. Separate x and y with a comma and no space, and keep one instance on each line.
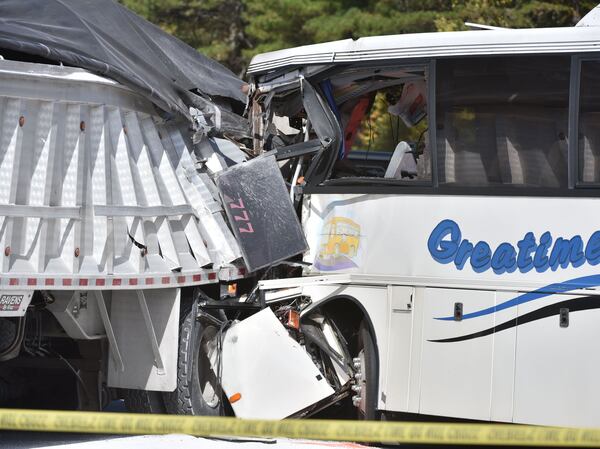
(362,381)
(209,384)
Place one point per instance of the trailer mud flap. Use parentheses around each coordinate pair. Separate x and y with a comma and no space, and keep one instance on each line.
(145,324)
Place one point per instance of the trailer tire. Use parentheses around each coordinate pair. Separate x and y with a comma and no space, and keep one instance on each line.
(197,392)
(142,401)
(366,351)
(8,333)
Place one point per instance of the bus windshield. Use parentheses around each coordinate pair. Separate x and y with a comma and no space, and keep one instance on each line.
(383,115)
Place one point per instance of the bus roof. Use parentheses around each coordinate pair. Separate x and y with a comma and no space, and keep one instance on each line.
(426,45)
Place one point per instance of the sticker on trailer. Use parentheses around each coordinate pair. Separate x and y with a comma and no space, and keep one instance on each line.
(14,303)
(261,213)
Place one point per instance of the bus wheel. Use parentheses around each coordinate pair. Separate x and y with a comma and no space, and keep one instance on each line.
(365,378)
(142,401)
(198,390)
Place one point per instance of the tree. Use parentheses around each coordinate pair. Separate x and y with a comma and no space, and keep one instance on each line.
(213,27)
(232,31)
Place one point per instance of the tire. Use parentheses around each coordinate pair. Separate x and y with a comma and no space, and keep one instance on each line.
(141,401)
(8,333)
(13,388)
(366,351)
(198,391)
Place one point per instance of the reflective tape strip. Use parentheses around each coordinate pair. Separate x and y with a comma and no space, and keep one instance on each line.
(331,430)
(114,282)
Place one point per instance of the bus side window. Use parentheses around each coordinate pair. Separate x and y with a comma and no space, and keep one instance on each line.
(503,120)
(589,123)
(383,115)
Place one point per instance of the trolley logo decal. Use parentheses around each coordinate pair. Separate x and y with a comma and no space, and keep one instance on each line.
(340,245)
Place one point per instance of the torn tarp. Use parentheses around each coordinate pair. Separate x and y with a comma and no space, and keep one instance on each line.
(211,119)
(108,39)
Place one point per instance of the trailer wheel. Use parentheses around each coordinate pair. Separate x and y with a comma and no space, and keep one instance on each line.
(367,379)
(198,390)
(142,401)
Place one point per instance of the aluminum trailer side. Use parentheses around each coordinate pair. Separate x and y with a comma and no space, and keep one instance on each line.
(104,221)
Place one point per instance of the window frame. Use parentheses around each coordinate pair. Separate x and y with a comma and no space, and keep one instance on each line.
(576,63)
(365,182)
(574,187)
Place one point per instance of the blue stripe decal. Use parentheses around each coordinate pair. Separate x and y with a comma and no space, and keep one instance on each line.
(561,287)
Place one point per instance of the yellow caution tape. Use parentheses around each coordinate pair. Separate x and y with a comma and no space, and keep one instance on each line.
(363,431)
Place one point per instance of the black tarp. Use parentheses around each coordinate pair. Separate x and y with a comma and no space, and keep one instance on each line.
(108,39)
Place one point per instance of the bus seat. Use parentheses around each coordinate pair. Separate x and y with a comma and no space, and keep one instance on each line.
(402,162)
(537,170)
(588,160)
(445,155)
(469,168)
(511,170)
(508,157)
(460,165)
(533,141)
(473,143)
(589,147)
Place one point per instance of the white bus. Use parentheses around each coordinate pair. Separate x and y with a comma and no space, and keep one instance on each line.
(465,169)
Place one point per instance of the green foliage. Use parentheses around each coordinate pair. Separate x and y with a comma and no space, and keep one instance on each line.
(275,24)
(215,27)
(545,14)
(355,23)
(381,131)
(385,6)
(232,31)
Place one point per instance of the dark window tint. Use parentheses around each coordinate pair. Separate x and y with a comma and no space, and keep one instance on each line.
(589,122)
(503,121)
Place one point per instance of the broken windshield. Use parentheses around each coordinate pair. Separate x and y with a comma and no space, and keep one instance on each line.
(366,124)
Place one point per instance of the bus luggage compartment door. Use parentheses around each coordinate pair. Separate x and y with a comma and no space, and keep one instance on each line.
(557,361)
(467,369)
